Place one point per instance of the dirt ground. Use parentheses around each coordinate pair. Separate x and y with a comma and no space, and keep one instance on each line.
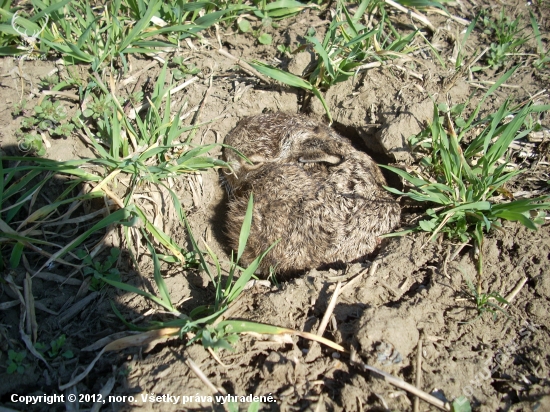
(416,296)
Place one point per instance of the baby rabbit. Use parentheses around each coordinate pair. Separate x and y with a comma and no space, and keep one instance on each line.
(312,190)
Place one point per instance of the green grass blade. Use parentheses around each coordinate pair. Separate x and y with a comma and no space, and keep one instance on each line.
(21,184)
(516,217)
(120,216)
(196,5)
(137,291)
(536,32)
(49,10)
(9,233)
(465,38)
(195,152)
(16,254)
(353,25)
(154,6)
(161,237)
(241,326)
(523,205)
(52,207)
(85,37)
(400,44)
(501,81)
(281,76)
(361,10)
(129,325)
(246,275)
(161,285)
(70,50)
(10,51)
(508,135)
(407,176)
(204,265)
(485,137)
(218,284)
(400,233)
(317,93)
(394,191)
(4,180)
(116,143)
(469,206)
(245,228)
(419,4)
(540,108)
(27,24)
(102,152)
(284,4)
(318,47)
(360,39)
(291,80)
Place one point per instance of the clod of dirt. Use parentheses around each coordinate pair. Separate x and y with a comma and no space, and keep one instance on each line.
(542,286)
(383,110)
(299,63)
(393,137)
(539,311)
(388,335)
(401,264)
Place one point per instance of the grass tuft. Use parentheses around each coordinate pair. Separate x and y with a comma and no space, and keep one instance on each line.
(464,185)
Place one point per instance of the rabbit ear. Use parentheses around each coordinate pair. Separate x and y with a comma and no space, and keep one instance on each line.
(319,150)
(318,156)
(256,158)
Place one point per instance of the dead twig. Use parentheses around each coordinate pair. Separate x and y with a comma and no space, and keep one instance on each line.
(133,113)
(314,348)
(77,307)
(371,271)
(104,392)
(132,77)
(517,288)
(200,374)
(217,358)
(450,258)
(418,383)
(245,66)
(31,325)
(444,406)
(330,309)
(460,20)
(416,16)
(197,114)
(448,84)
(24,337)
(78,378)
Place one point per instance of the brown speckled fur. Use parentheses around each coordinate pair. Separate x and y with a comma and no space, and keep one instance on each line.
(312,189)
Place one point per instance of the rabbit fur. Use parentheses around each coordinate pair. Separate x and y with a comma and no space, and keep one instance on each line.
(312,190)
